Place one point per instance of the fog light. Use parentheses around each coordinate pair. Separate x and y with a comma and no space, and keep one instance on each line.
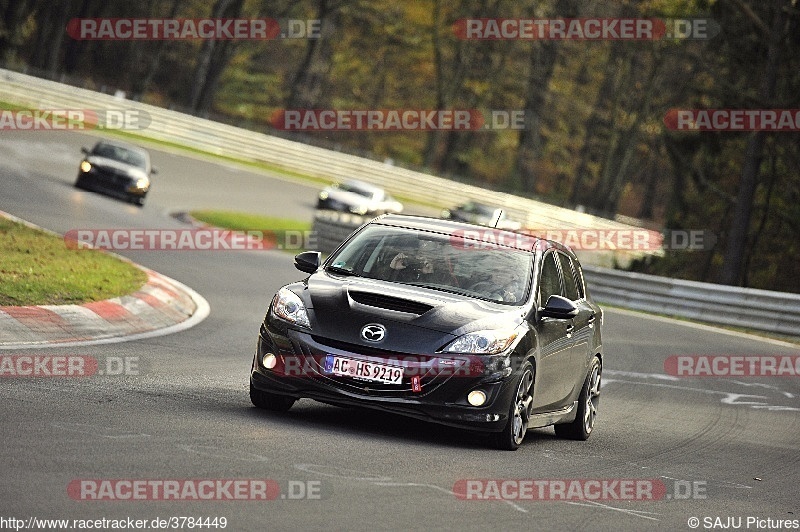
(476,398)
(269,361)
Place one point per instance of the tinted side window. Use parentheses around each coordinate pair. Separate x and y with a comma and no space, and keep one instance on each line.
(570,287)
(549,282)
(579,279)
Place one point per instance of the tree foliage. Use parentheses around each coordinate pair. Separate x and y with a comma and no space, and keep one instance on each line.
(594,109)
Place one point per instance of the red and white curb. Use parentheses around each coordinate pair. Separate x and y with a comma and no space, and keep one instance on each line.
(162,306)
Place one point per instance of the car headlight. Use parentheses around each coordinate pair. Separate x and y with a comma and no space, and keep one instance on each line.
(323,195)
(142,182)
(287,306)
(359,209)
(482,342)
(86,166)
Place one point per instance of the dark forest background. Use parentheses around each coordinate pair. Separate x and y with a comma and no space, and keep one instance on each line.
(596,108)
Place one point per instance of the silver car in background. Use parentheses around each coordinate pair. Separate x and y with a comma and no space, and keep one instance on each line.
(482,214)
(358,197)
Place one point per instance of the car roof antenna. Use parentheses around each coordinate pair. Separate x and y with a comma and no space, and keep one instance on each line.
(497,218)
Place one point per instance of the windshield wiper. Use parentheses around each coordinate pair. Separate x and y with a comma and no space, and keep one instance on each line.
(452,290)
(343,271)
(442,288)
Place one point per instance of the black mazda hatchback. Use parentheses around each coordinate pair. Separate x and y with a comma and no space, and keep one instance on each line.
(439,320)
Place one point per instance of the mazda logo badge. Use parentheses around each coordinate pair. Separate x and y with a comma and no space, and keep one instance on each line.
(373,332)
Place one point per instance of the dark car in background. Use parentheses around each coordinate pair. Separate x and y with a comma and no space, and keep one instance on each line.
(117,169)
(482,214)
(442,321)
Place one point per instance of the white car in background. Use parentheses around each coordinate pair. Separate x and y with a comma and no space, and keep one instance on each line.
(358,197)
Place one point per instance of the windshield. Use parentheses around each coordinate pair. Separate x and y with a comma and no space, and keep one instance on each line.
(360,191)
(441,262)
(123,155)
(484,210)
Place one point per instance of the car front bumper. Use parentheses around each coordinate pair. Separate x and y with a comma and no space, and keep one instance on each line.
(112,184)
(440,397)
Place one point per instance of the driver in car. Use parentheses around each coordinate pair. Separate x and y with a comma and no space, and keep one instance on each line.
(499,285)
(418,267)
(511,288)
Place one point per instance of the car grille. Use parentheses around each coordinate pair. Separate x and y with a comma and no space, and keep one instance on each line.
(390,303)
(315,357)
(114,177)
(354,348)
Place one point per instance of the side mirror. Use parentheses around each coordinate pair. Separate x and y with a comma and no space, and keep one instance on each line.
(559,307)
(85,150)
(307,261)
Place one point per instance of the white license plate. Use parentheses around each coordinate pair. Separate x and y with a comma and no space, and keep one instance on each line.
(358,369)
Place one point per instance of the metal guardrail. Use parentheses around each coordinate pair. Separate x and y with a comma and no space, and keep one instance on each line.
(331,228)
(760,310)
(221,139)
(749,308)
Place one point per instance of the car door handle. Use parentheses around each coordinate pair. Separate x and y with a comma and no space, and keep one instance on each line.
(570,328)
(592,317)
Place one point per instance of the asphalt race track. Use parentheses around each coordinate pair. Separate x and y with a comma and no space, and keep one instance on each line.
(722,447)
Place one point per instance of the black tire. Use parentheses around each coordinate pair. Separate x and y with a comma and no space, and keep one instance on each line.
(588,403)
(512,435)
(269,401)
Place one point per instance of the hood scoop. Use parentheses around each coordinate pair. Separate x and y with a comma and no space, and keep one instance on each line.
(389,302)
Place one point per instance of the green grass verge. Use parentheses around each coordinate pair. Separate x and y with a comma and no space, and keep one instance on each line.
(287,234)
(239,221)
(37,268)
